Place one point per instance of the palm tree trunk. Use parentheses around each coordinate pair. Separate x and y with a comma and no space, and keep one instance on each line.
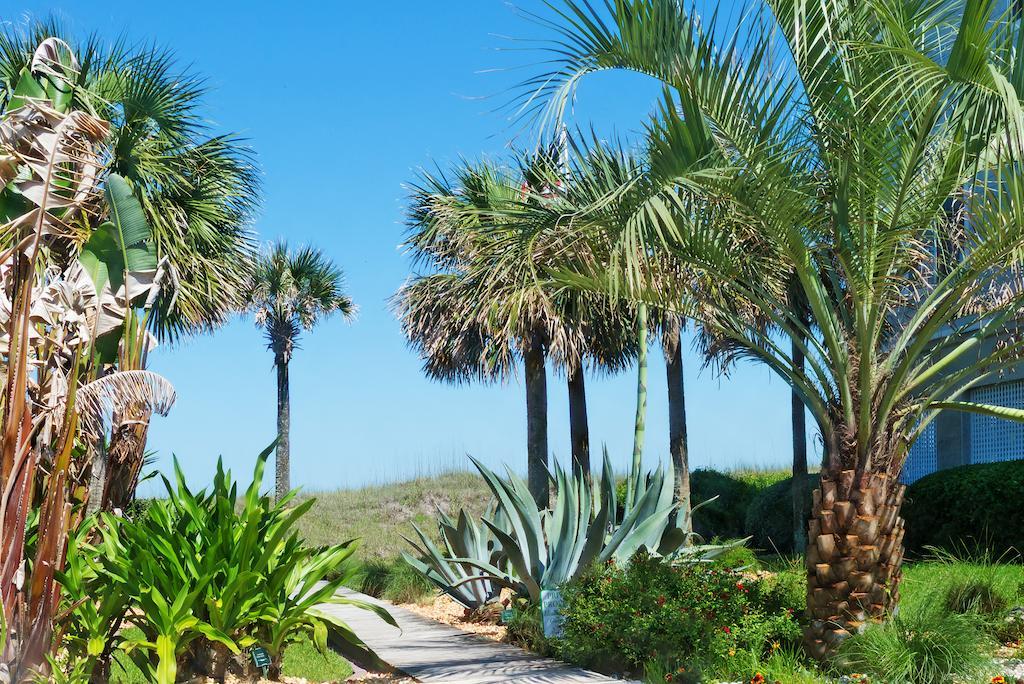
(537,420)
(677,430)
(124,457)
(641,402)
(854,554)
(97,477)
(579,430)
(801,504)
(282,470)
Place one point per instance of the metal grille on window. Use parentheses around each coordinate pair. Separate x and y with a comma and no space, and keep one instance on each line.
(921,460)
(996,439)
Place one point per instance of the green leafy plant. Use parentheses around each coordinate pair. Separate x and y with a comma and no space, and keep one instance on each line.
(726,499)
(209,574)
(972,583)
(538,550)
(769,516)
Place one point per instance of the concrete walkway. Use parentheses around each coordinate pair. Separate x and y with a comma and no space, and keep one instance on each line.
(432,652)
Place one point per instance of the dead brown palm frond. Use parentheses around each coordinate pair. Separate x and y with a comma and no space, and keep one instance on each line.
(442,323)
(97,402)
(62,151)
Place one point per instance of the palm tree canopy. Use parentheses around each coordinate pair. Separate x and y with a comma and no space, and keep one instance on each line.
(481,301)
(291,290)
(863,158)
(198,190)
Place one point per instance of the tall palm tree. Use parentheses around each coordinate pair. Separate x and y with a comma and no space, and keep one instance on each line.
(599,336)
(868,155)
(292,290)
(459,334)
(481,325)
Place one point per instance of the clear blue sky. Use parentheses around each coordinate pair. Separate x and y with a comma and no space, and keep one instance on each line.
(342,103)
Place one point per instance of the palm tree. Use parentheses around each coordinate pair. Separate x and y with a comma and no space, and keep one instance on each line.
(198,188)
(460,334)
(479,326)
(870,157)
(598,335)
(292,290)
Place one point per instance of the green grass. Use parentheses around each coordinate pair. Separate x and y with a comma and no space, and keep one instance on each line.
(921,645)
(392,580)
(380,515)
(934,580)
(301,659)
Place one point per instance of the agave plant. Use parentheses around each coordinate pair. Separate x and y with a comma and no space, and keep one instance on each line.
(538,550)
(461,581)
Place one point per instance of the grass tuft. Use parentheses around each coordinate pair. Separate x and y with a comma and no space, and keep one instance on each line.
(920,646)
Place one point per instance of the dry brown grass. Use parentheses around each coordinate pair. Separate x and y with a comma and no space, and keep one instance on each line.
(381,514)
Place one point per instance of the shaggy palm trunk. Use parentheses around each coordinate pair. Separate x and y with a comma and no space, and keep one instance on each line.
(537,420)
(124,458)
(641,400)
(677,429)
(854,554)
(97,478)
(579,430)
(282,482)
(801,504)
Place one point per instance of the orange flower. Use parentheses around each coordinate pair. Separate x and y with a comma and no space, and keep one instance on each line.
(999,679)
(757,679)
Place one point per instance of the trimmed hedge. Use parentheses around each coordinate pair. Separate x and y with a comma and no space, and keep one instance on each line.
(726,516)
(769,518)
(723,517)
(978,505)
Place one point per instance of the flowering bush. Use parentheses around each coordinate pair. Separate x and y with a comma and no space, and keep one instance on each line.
(621,618)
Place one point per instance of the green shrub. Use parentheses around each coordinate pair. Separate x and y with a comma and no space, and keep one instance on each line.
(769,518)
(618,618)
(724,517)
(781,592)
(738,558)
(780,666)
(975,596)
(973,504)
(759,480)
(920,646)
(526,628)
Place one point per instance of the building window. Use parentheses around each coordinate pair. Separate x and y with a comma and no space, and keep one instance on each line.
(921,460)
(996,439)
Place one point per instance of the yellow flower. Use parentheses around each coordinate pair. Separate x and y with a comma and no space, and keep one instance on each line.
(999,679)
(776,645)
(732,652)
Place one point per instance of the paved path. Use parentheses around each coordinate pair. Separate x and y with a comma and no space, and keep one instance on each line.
(432,652)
